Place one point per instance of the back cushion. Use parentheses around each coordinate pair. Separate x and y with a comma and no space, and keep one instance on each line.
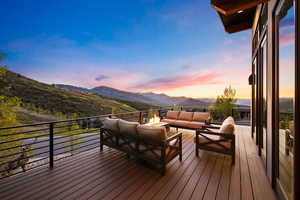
(227,128)
(157,133)
(128,127)
(172,114)
(111,124)
(186,116)
(200,116)
(229,120)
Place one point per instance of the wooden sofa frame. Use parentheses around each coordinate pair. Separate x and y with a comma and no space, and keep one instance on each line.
(130,145)
(207,130)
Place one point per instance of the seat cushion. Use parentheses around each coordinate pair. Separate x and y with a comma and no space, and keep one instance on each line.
(187,116)
(195,124)
(111,124)
(127,127)
(156,133)
(200,116)
(169,121)
(172,114)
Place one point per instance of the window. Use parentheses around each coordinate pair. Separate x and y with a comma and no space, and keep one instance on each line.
(285,18)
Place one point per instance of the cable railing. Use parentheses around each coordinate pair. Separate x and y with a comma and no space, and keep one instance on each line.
(29,146)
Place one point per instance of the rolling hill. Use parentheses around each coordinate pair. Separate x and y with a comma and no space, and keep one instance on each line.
(50,98)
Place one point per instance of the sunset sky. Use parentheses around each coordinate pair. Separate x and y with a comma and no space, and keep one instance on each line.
(172,46)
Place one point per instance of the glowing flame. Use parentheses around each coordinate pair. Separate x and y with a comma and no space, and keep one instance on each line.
(154,120)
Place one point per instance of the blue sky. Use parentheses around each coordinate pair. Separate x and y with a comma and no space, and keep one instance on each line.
(171,46)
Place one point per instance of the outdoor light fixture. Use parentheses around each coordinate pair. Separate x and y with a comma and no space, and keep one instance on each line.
(251,79)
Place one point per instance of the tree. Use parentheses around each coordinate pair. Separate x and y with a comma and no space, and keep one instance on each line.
(8,118)
(225,105)
(113,112)
(176,107)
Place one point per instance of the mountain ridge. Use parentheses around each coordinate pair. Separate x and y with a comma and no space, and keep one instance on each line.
(149,98)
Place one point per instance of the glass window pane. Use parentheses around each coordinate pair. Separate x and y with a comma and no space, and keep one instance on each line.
(264,96)
(286,91)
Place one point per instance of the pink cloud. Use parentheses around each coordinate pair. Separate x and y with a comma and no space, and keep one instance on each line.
(176,82)
(287,63)
(287,39)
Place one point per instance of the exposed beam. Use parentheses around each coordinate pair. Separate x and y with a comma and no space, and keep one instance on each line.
(238,27)
(229,7)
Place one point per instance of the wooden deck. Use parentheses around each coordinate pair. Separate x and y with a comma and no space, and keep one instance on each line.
(110,175)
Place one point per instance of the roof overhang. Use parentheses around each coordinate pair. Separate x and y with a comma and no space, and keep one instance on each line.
(236,15)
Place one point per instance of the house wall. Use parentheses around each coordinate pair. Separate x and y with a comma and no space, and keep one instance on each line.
(270,82)
(271,96)
(297,106)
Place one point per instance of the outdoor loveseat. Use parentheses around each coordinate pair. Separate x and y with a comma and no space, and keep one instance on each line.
(155,145)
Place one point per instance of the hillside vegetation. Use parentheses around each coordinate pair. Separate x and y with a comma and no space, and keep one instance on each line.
(50,98)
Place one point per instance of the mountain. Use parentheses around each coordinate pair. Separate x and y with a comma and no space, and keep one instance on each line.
(47,97)
(71,88)
(119,94)
(194,103)
(148,98)
(164,99)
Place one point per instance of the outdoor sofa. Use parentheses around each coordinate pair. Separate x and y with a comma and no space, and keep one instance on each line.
(186,120)
(154,145)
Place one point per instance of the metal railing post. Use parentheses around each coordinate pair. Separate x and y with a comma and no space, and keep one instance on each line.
(140,117)
(51,145)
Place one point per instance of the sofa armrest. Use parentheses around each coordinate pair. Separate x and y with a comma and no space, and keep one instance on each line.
(216,123)
(208,121)
(175,136)
(211,127)
(105,130)
(225,135)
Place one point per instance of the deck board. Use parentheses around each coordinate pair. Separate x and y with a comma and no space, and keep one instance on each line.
(110,175)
